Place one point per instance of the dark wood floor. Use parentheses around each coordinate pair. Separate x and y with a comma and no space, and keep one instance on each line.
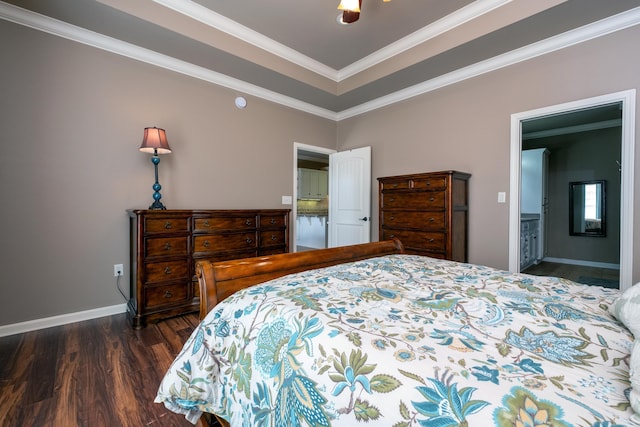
(99,372)
(572,272)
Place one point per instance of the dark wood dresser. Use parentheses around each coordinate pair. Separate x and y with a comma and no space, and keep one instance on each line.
(428,212)
(165,246)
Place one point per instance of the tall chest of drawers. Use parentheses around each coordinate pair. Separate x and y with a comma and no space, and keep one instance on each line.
(165,245)
(428,212)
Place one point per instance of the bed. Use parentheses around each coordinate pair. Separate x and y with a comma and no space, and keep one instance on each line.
(367,335)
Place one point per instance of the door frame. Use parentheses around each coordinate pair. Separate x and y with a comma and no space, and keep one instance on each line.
(628,100)
(297,147)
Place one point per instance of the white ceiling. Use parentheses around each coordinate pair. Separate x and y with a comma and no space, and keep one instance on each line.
(294,52)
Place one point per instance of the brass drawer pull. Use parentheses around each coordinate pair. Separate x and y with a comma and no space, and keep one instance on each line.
(274,237)
(391,218)
(273,220)
(432,240)
(427,183)
(432,219)
(431,199)
(168,225)
(206,244)
(248,222)
(249,240)
(167,246)
(206,223)
(395,185)
(167,270)
(168,294)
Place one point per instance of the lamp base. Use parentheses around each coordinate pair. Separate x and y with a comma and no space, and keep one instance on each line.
(158,206)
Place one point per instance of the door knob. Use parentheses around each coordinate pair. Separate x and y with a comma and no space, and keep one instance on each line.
(364,219)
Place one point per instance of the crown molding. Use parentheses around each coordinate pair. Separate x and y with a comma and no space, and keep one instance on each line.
(52,26)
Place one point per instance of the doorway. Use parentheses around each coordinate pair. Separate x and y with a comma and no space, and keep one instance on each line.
(310,194)
(626,101)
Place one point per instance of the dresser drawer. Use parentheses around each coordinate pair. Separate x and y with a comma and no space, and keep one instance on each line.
(156,272)
(157,296)
(268,221)
(420,239)
(395,184)
(166,246)
(272,238)
(425,200)
(224,223)
(434,183)
(166,225)
(417,220)
(224,242)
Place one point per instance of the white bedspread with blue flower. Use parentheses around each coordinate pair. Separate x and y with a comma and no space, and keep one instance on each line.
(404,341)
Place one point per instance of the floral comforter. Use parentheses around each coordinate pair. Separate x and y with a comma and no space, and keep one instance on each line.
(406,340)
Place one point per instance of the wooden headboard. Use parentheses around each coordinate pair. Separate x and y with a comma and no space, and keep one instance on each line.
(218,280)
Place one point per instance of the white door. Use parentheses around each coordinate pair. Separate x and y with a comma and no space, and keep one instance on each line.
(350,197)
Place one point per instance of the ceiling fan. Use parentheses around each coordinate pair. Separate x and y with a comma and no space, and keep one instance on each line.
(351,10)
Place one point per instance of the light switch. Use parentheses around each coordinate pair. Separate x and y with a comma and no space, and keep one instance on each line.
(502,197)
(286,200)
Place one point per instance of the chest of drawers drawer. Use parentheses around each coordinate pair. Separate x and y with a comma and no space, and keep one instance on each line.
(272,238)
(166,225)
(203,224)
(166,246)
(158,296)
(418,220)
(401,200)
(224,242)
(275,221)
(432,241)
(156,272)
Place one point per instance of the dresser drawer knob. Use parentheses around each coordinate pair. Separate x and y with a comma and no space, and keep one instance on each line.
(248,222)
(168,225)
(432,219)
(273,221)
(168,294)
(392,218)
(249,240)
(167,270)
(395,185)
(274,237)
(431,199)
(432,240)
(206,223)
(206,244)
(167,246)
(428,183)
(391,199)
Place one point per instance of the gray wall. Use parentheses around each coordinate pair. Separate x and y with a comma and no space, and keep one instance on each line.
(466,127)
(583,156)
(71,120)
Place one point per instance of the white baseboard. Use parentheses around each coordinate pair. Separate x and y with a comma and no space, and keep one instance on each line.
(584,263)
(63,319)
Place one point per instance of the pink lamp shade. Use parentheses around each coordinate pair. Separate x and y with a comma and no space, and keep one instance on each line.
(155,141)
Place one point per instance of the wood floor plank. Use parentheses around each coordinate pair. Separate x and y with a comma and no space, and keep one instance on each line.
(95,373)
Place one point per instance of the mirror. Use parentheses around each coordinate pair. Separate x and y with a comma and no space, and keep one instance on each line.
(586,208)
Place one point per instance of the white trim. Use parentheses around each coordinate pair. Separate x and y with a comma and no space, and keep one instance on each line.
(628,100)
(52,26)
(595,264)
(63,319)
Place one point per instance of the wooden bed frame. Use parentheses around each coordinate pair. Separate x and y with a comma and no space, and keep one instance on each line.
(218,280)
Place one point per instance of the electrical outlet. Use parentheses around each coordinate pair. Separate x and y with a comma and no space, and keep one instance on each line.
(118,270)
